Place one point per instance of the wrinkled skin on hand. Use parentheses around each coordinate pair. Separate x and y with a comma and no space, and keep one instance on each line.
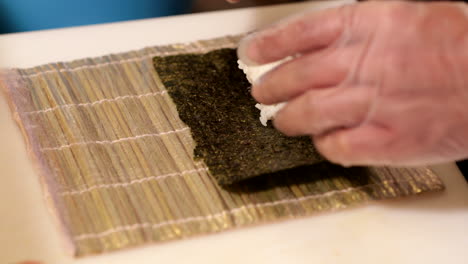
(374,83)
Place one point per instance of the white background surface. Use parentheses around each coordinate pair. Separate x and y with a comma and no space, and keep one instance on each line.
(431,228)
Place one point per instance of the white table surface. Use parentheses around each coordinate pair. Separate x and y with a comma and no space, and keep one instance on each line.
(431,228)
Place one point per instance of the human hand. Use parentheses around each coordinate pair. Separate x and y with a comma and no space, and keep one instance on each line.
(375,83)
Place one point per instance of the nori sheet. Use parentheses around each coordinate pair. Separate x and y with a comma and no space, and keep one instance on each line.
(213,98)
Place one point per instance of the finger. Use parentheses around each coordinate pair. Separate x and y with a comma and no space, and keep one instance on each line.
(319,111)
(325,68)
(357,146)
(299,34)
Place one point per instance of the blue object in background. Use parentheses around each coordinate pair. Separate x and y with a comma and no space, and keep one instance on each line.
(27,15)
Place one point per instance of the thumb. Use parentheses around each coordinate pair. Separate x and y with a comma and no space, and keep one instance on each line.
(366,144)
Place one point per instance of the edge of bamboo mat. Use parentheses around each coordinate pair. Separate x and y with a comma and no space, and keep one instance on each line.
(10,80)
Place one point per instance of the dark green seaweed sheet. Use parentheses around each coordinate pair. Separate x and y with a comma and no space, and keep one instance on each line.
(213,98)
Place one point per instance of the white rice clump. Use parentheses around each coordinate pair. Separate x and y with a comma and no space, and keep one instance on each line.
(253,73)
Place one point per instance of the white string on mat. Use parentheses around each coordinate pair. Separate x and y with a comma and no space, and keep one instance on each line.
(224,212)
(108,142)
(137,181)
(105,100)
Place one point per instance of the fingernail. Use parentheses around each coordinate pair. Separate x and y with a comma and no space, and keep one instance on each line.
(242,50)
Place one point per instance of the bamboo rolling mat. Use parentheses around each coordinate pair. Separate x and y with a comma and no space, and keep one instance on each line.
(117,166)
